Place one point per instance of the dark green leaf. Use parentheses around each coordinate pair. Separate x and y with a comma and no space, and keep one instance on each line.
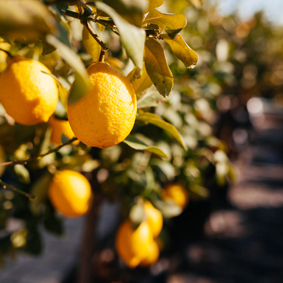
(137,144)
(155,120)
(157,67)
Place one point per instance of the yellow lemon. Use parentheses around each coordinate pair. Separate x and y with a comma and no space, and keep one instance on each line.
(60,127)
(152,256)
(133,246)
(154,218)
(70,193)
(177,193)
(106,114)
(28,94)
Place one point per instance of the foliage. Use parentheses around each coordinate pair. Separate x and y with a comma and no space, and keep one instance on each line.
(172,140)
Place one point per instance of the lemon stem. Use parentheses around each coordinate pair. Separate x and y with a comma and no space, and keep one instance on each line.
(23,162)
(8,186)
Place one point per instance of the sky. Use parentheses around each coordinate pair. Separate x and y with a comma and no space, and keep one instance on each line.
(273,10)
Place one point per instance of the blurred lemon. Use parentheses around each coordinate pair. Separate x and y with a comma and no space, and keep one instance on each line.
(152,256)
(177,193)
(70,193)
(60,127)
(134,246)
(154,218)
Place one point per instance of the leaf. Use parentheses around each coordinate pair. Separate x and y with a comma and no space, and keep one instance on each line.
(155,120)
(152,4)
(172,23)
(25,20)
(142,83)
(22,173)
(157,67)
(137,214)
(91,45)
(132,38)
(197,3)
(150,100)
(131,10)
(168,208)
(137,144)
(81,83)
(40,190)
(182,51)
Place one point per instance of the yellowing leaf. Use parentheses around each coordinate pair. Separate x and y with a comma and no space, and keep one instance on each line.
(157,67)
(137,144)
(152,4)
(172,23)
(132,38)
(155,120)
(182,51)
(142,83)
(197,3)
(25,20)
(91,45)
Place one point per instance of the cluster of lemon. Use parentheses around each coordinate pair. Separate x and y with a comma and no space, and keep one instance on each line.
(102,118)
(139,246)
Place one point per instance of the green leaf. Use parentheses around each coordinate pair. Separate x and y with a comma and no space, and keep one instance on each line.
(150,100)
(132,38)
(137,214)
(25,20)
(91,45)
(168,208)
(22,173)
(155,120)
(137,144)
(40,190)
(131,10)
(81,83)
(152,4)
(197,3)
(172,23)
(141,83)
(182,51)
(157,67)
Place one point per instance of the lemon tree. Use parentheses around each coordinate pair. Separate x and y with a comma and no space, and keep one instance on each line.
(108,89)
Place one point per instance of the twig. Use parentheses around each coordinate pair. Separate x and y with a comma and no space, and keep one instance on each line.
(7,186)
(104,48)
(23,162)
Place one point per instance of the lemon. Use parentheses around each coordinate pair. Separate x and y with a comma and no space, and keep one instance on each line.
(152,256)
(133,246)
(177,193)
(28,94)
(70,193)
(60,127)
(106,114)
(154,218)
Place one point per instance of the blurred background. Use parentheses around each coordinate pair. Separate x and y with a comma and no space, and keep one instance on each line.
(230,111)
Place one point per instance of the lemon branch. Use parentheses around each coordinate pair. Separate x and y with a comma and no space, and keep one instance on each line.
(8,186)
(104,48)
(38,157)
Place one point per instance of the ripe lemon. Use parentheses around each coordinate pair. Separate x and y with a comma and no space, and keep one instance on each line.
(152,256)
(177,193)
(27,94)
(60,127)
(133,246)
(70,193)
(154,218)
(106,114)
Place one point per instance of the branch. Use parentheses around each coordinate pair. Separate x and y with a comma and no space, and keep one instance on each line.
(7,186)
(23,162)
